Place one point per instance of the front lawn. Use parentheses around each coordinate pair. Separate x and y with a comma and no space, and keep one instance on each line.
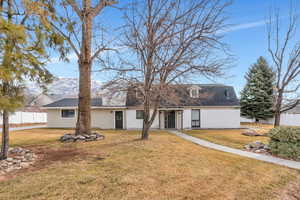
(122,167)
(231,137)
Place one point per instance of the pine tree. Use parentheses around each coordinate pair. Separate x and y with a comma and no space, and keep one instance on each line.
(24,39)
(257,97)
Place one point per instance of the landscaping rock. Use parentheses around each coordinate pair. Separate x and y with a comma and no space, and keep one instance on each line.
(19,158)
(257,147)
(85,138)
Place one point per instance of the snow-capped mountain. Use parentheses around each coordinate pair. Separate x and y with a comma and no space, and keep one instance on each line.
(59,88)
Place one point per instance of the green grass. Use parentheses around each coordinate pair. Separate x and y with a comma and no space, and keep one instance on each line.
(123,167)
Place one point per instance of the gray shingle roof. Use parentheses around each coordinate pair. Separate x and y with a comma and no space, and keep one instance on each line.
(209,95)
(73,102)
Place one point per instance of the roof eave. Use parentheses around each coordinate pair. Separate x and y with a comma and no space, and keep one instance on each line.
(75,107)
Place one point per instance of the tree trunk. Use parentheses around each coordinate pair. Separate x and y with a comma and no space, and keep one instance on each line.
(277,119)
(145,131)
(278,110)
(146,123)
(146,116)
(5,116)
(83,125)
(5,136)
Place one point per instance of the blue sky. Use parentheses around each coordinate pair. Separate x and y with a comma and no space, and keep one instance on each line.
(247,40)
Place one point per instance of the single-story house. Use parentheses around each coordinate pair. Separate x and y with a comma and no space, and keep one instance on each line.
(197,106)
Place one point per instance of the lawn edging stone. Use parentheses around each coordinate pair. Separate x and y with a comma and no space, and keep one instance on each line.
(258,147)
(251,132)
(84,138)
(19,158)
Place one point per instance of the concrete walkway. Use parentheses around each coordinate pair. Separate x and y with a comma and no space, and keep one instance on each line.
(262,157)
(25,128)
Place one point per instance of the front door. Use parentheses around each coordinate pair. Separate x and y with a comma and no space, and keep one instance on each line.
(170,119)
(119,119)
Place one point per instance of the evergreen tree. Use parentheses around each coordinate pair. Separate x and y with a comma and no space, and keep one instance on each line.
(24,39)
(257,97)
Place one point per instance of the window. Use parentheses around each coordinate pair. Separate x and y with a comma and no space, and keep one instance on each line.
(195,118)
(139,114)
(68,113)
(194,93)
(226,93)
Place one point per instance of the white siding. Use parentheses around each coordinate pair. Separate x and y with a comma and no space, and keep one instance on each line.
(133,123)
(290,119)
(162,119)
(220,118)
(210,118)
(56,121)
(103,119)
(187,115)
(178,119)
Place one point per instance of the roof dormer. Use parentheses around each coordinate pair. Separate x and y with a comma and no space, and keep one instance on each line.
(194,91)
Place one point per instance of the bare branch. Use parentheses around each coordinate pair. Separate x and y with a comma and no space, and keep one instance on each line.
(75,8)
(101,50)
(101,5)
(286,59)
(169,40)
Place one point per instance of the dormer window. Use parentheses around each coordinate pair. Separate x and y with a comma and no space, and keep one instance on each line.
(194,92)
(226,93)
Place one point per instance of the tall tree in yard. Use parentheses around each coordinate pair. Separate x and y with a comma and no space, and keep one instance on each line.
(22,55)
(75,22)
(170,41)
(257,97)
(284,49)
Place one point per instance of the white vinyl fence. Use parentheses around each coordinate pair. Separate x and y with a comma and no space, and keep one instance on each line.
(27,117)
(285,120)
(290,119)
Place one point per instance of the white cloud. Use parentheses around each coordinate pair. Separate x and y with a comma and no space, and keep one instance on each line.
(243,26)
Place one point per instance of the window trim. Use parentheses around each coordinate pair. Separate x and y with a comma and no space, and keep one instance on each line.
(197,92)
(136,114)
(196,120)
(61,115)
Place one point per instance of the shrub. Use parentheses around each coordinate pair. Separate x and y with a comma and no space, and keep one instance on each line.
(285,142)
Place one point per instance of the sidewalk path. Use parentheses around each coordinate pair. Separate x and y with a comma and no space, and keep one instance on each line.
(25,127)
(262,157)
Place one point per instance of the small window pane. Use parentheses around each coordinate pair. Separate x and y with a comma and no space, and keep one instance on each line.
(195,115)
(195,118)
(194,93)
(68,113)
(139,114)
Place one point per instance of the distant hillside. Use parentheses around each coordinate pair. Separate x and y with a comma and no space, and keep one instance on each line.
(60,88)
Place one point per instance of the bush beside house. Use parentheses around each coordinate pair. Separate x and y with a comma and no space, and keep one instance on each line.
(285,142)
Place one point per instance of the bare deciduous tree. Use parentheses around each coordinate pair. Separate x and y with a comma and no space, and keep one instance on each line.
(170,41)
(285,55)
(75,21)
